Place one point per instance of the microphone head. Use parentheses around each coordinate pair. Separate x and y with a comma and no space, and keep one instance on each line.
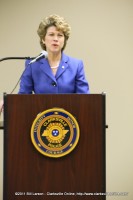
(44,53)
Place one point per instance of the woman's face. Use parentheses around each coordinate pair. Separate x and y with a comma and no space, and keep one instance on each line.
(54,40)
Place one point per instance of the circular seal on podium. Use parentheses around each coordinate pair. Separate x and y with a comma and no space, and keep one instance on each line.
(55,132)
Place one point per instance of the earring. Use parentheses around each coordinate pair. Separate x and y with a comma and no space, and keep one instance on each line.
(43,42)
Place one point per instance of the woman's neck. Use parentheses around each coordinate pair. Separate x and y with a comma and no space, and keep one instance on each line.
(54,59)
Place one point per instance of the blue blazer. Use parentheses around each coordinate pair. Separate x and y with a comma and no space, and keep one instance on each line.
(38,77)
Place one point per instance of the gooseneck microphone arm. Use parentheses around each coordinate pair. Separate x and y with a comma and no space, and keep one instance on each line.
(15,58)
(34,59)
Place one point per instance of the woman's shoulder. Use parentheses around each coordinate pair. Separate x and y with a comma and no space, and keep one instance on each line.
(70,59)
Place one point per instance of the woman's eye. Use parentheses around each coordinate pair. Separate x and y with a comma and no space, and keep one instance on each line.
(60,35)
(51,34)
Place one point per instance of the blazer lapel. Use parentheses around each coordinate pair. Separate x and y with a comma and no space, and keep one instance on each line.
(46,68)
(63,66)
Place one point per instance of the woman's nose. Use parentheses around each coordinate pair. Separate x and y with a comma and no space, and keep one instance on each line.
(55,37)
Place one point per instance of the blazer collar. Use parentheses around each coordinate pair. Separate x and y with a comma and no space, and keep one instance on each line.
(44,65)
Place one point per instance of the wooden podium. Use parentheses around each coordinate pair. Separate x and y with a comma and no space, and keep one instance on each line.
(29,175)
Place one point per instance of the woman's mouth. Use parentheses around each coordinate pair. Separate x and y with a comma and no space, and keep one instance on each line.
(55,45)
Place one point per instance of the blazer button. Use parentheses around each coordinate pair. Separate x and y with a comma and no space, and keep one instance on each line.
(53,83)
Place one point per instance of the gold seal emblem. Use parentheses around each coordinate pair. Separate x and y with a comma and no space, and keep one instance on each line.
(55,132)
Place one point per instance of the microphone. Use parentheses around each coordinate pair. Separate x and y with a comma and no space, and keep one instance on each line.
(15,58)
(43,53)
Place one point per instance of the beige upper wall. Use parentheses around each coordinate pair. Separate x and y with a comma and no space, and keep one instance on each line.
(102,35)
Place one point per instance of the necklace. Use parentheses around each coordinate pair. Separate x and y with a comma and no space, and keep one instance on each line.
(54,67)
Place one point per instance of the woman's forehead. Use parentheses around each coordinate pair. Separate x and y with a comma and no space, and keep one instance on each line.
(54,29)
